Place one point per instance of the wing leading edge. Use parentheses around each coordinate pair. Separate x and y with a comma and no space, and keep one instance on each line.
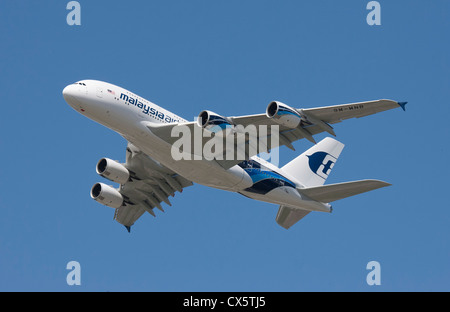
(314,121)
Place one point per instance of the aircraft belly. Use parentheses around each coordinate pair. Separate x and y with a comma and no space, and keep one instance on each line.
(204,172)
(288,196)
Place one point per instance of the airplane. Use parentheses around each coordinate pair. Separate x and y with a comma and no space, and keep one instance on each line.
(151,174)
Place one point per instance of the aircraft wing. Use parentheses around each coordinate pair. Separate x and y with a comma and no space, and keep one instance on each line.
(150,185)
(331,114)
(314,121)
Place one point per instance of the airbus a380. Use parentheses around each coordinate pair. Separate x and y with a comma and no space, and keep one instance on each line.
(151,173)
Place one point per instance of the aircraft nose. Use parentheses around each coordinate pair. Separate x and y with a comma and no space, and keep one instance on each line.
(69,91)
(71,94)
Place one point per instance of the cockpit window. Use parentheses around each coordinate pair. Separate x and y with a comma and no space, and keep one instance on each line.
(80,83)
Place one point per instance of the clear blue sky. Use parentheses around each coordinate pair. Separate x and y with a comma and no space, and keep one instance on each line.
(232,57)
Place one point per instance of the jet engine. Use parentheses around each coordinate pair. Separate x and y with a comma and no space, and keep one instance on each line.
(213,122)
(107,195)
(283,114)
(112,170)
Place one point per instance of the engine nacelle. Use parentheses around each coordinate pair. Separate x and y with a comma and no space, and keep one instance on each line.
(107,195)
(283,114)
(112,170)
(213,122)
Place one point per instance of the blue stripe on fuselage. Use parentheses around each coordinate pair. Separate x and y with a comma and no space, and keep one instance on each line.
(264,179)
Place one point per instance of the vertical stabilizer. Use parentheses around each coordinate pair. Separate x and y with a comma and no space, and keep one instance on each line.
(313,166)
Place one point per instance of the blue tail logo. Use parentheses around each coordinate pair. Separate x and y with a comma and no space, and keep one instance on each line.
(321,163)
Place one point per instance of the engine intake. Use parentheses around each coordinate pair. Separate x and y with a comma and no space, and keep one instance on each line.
(112,170)
(213,122)
(107,195)
(283,114)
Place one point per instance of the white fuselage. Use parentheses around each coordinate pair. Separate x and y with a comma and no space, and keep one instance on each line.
(128,114)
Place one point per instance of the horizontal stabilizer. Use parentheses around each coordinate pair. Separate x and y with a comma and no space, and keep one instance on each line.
(288,216)
(332,192)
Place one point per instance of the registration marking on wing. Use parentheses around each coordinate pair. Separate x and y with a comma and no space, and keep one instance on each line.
(347,108)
